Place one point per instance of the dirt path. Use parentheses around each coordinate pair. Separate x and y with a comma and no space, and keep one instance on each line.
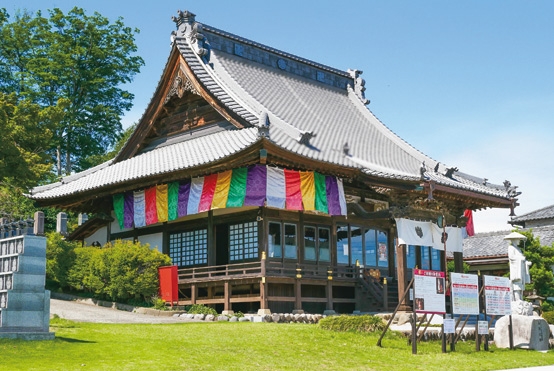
(82,312)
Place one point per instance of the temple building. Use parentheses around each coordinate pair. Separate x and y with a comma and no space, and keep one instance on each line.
(269,182)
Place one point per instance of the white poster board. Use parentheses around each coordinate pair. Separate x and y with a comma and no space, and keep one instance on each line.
(429,288)
(482,328)
(465,293)
(449,326)
(498,296)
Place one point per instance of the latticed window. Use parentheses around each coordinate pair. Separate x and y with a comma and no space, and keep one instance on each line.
(243,241)
(189,248)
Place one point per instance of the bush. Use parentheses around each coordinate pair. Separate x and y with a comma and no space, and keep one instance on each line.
(131,270)
(60,257)
(123,271)
(200,309)
(365,323)
(547,306)
(549,317)
(158,303)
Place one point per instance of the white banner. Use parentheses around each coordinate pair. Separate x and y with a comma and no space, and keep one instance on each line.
(411,232)
(451,235)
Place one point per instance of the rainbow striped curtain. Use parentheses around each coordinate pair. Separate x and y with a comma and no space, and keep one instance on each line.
(257,185)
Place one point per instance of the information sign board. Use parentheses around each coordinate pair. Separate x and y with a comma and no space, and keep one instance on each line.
(465,293)
(498,298)
(429,288)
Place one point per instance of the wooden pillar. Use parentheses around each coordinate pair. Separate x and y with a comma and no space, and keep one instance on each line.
(391,250)
(211,239)
(227,296)
(263,294)
(418,261)
(458,262)
(329,295)
(401,272)
(193,294)
(298,295)
(263,284)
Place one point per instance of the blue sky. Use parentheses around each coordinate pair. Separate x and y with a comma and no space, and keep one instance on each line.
(469,83)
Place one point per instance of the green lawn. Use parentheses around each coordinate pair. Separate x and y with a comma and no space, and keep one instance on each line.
(242,346)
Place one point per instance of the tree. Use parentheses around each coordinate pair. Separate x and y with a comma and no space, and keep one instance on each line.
(94,160)
(542,259)
(77,59)
(26,135)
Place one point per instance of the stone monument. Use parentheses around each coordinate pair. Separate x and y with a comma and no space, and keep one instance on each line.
(519,266)
(24,303)
(529,332)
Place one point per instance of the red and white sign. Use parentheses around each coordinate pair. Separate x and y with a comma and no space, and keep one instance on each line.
(429,288)
(465,293)
(498,296)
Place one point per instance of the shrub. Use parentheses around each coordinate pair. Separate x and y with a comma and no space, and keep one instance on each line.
(60,257)
(123,271)
(132,270)
(200,309)
(549,317)
(82,275)
(158,303)
(547,306)
(364,323)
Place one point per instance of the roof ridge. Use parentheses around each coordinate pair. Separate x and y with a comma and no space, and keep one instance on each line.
(276,51)
(533,212)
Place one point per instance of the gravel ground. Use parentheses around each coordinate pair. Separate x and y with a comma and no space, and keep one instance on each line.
(83,312)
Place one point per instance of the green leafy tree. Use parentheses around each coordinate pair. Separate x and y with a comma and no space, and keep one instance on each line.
(26,135)
(542,259)
(94,160)
(79,59)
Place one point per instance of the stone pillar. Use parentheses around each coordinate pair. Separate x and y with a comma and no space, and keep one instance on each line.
(38,228)
(3,228)
(82,219)
(29,224)
(61,223)
(13,229)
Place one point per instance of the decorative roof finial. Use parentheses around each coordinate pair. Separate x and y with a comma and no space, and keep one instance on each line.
(263,128)
(359,85)
(450,171)
(184,17)
(346,149)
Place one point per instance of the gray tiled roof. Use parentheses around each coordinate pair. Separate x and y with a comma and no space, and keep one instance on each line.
(300,98)
(296,102)
(544,213)
(492,244)
(164,159)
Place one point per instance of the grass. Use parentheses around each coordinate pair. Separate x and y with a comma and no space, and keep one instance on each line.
(243,346)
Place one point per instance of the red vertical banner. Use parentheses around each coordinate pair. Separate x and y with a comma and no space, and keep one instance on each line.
(150,205)
(469,224)
(208,191)
(293,191)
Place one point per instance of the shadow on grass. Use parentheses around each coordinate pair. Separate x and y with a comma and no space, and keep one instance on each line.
(70,340)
